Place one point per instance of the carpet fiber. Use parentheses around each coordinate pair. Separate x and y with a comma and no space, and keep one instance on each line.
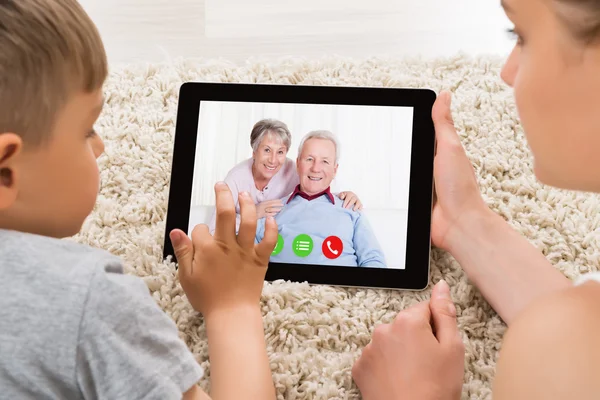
(314,333)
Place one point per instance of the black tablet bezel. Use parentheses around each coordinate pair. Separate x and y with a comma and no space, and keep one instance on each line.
(415,276)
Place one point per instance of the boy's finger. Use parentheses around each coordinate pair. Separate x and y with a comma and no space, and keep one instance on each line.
(184,250)
(200,235)
(269,240)
(247,230)
(226,216)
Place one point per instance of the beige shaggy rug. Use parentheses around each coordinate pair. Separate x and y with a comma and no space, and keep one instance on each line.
(314,333)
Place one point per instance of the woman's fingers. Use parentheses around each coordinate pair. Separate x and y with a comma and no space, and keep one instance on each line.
(273,203)
(273,210)
(358,205)
(347,201)
(351,202)
(443,312)
(442,119)
(247,231)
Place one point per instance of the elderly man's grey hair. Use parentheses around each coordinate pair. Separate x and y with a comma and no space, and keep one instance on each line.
(270,126)
(322,134)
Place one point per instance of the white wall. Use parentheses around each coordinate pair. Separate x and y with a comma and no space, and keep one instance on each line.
(149,30)
(375,146)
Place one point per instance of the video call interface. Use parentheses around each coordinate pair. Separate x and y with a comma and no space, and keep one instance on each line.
(300,163)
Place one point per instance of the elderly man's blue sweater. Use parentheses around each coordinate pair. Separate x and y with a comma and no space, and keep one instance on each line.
(320,218)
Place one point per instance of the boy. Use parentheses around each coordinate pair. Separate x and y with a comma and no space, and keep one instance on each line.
(72,324)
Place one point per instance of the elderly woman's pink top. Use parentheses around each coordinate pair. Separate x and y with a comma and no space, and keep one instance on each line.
(240,179)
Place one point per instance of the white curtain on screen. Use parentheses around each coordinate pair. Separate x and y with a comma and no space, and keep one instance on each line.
(374,153)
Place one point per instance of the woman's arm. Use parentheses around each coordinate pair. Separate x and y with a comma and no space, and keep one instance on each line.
(508,270)
(551,351)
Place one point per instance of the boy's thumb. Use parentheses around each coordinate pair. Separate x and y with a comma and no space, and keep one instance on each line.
(443,312)
(182,246)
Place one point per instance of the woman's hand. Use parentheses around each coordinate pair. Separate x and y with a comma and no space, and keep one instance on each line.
(456,187)
(269,208)
(351,200)
(225,272)
(410,359)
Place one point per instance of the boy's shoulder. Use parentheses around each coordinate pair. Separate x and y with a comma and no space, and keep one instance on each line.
(55,264)
(36,249)
(69,308)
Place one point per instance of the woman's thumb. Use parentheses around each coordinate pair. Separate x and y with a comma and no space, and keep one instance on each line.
(443,312)
(442,116)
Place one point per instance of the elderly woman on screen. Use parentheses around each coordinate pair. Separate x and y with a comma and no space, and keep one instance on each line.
(269,175)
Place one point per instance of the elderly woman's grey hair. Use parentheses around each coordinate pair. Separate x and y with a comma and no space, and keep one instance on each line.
(272,127)
(322,134)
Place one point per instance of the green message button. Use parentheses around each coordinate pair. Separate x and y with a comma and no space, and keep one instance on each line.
(303,245)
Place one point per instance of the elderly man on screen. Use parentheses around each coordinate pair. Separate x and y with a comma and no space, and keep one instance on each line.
(314,227)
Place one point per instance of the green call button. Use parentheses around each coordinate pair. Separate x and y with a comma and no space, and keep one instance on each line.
(278,246)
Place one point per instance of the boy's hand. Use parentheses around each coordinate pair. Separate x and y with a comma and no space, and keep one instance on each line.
(225,271)
(418,356)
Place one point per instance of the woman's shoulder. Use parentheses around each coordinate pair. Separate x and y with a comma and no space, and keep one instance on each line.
(289,168)
(240,170)
(592,276)
(583,296)
(290,174)
(585,292)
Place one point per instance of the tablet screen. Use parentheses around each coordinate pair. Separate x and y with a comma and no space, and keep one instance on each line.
(299,163)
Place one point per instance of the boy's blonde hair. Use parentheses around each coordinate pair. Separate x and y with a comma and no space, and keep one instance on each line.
(49,49)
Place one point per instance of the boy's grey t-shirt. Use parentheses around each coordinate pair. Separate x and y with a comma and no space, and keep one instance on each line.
(73,326)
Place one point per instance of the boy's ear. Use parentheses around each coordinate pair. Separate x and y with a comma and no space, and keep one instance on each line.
(10,147)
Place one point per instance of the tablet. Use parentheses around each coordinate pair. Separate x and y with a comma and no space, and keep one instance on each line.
(298,150)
